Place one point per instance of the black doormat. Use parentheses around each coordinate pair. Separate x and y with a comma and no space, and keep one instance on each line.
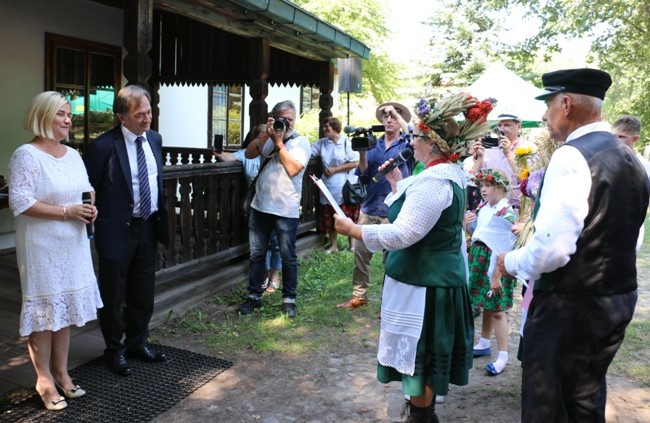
(152,389)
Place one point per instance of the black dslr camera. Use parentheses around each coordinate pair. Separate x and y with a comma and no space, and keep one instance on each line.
(280,124)
(492,140)
(363,139)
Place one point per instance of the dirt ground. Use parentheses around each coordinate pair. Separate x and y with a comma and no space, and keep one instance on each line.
(340,385)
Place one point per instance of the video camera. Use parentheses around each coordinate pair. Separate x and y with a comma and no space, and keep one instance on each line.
(363,139)
(492,140)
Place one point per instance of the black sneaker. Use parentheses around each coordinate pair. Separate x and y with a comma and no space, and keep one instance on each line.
(249,306)
(289,309)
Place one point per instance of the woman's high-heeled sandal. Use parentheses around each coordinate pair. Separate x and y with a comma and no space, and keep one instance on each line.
(54,405)
(76,392)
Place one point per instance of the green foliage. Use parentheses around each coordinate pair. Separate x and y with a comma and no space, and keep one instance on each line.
(464,41)
(308,125)
(366,21)
(618,30)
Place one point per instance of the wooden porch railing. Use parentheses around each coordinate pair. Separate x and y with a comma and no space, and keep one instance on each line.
(204,205)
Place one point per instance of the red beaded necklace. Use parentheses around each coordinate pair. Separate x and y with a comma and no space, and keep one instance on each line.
(437,161)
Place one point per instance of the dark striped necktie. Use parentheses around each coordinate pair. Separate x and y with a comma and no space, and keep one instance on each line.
(143,177)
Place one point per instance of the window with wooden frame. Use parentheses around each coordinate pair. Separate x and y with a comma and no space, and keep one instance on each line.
(226,117)
(89,75)
(308,98)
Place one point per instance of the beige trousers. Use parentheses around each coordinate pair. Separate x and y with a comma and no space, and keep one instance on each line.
(362,257)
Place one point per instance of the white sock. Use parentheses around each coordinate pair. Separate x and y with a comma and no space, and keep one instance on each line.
(483,343)
(501,362)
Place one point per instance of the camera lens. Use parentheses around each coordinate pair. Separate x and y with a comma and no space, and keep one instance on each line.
(280,124)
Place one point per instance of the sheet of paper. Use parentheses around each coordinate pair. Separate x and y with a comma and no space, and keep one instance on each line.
(321,185)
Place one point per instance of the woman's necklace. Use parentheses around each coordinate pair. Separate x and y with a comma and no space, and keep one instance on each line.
(44,144)
(437,161)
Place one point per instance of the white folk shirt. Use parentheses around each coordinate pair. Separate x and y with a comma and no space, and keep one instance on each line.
(563,209)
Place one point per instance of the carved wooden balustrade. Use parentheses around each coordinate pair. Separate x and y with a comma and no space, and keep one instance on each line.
(204,203)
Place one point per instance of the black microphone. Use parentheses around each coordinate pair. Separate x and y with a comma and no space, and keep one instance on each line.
(348,129)
(90,228)
(403,156)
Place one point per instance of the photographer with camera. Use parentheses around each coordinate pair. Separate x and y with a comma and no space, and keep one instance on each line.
(276,205)
(395,117)
(499,152)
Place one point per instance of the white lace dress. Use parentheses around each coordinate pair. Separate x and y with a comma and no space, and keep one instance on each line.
(58,282)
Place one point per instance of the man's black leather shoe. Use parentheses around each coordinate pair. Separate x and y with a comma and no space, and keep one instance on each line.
(146,353)
(118,364)
(289,309)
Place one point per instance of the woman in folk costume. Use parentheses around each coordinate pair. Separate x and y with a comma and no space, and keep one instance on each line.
(426,317)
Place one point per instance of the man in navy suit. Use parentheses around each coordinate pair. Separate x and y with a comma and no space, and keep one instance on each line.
(125,168)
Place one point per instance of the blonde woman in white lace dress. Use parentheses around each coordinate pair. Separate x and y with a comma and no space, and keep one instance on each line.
(59,287)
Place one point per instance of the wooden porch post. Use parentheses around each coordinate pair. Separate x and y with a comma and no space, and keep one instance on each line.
(138,26)
(260,57)
(138,36)
(325,101)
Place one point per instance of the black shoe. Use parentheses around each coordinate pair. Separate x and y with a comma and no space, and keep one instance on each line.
(249,306)
(433,417)
(146,353)
(289,309)
(419,415)
(118,364)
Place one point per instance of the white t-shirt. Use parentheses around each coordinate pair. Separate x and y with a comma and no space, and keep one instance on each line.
(251,166)
(276,192)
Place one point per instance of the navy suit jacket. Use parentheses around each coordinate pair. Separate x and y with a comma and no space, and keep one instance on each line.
(107,163)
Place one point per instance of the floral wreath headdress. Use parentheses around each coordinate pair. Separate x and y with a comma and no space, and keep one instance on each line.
(437,118)
(493,176)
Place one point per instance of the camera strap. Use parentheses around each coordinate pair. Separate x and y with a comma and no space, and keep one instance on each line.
(268,159)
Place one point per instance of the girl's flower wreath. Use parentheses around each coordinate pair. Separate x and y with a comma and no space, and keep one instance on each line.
(493,176)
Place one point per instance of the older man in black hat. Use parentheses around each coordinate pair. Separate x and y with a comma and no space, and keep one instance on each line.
(592,202)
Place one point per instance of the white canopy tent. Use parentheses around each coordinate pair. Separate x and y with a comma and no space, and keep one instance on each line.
(513,94)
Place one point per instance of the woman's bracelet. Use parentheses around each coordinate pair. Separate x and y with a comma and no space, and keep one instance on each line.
(65,213)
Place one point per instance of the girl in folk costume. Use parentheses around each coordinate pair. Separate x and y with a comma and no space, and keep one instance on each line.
(488,289)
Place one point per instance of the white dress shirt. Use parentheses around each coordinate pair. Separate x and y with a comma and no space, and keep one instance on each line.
(563,209)
(152,169)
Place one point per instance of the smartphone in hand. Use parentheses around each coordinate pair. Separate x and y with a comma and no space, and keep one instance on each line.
(218,143)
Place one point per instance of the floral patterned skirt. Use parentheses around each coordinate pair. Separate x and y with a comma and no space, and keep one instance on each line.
(479,284)
(326,216)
